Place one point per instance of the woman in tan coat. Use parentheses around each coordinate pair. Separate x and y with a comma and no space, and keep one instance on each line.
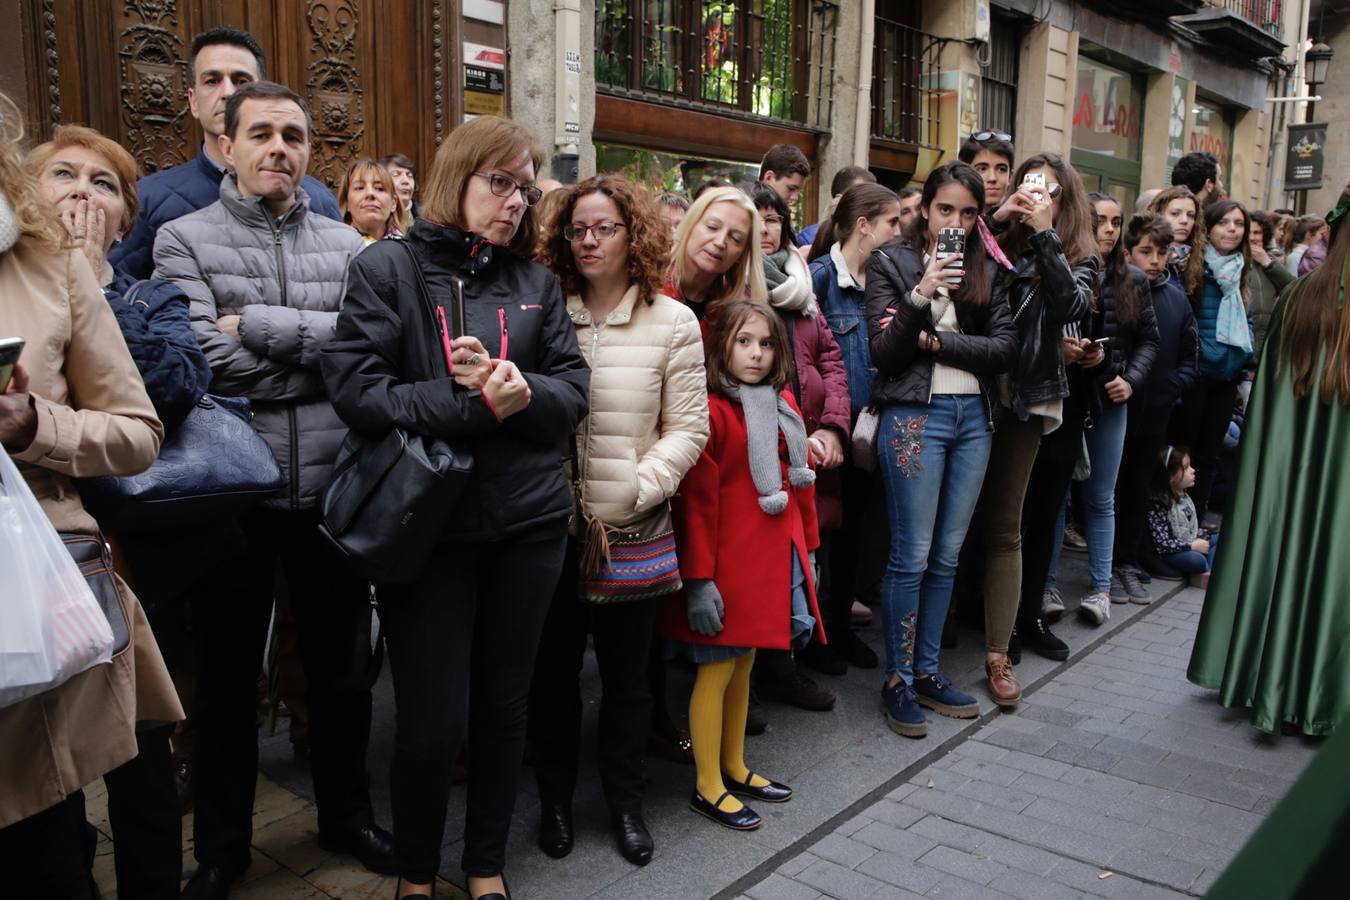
(75,407)
(648,423)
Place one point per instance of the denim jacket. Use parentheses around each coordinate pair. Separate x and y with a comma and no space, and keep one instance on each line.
(841,299)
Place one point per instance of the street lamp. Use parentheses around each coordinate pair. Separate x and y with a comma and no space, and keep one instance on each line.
(1316,63)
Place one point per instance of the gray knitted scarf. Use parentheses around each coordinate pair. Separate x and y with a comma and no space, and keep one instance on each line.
(766,414)
(775,268)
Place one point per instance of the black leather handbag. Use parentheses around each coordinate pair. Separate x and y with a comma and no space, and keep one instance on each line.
(212,465)
(391,495)
(93,557)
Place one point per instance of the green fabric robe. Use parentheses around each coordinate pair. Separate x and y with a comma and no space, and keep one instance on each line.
(1274,635)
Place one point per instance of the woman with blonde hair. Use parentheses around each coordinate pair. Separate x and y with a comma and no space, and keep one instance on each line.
(501,376)
(716,256)
(369,201)
(74,407)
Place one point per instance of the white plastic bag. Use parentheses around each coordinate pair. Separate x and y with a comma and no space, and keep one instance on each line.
(51,627)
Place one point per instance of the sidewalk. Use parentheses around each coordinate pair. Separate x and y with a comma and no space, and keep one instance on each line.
(1117,778)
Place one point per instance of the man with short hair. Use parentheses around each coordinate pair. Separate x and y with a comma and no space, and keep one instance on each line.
(990,153)
(1202,173)
(844,179)
(785,169)
(265,278)
(221,60)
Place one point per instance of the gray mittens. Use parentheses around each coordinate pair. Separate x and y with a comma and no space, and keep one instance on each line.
(704,606)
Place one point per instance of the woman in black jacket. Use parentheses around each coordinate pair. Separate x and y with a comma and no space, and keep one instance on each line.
(939,332)
(463,637)
(1050,287)
(1124,324)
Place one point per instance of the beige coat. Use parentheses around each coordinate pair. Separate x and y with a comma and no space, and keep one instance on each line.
(648,417)
(94,418)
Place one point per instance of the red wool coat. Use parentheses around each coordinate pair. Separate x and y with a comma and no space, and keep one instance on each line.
(721,533)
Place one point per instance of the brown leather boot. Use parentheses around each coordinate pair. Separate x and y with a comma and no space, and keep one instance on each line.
(1002,682)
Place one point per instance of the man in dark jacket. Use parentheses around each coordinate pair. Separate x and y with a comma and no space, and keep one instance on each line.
(222,60)
(265,279)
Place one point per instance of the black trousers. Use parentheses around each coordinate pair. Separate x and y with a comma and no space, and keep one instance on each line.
(857,549)
(50,854)
(1138,459)
(1050,480)
(622,633)
(332,609)
(146,826)
(1200,424)
(462,642)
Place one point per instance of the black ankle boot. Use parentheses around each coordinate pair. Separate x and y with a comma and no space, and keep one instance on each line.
(1037,637)
(555,829)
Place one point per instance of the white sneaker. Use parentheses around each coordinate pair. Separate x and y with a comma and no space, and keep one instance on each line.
(1095,607)
(1052,604)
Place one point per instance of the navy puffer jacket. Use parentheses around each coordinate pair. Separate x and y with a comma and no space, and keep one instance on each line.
(173,193)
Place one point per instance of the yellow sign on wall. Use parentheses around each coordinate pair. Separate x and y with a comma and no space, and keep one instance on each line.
(480,103)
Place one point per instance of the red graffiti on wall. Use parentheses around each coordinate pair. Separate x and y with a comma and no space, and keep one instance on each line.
(1120,120)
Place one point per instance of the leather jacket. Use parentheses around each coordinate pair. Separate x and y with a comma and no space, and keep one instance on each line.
(986,346)
(1131,350)
(1044,294)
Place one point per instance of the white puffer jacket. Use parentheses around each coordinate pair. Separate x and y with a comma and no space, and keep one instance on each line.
(648,417)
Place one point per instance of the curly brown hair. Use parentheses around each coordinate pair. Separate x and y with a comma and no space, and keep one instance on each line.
(648,234)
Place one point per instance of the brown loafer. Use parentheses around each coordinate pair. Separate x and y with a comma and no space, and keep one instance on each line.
(1002,682)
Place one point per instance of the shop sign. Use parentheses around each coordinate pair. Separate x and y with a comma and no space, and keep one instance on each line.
(480,78)
(480,103)
(1108,111)
(1212,132)
(1305,156)
(483,55)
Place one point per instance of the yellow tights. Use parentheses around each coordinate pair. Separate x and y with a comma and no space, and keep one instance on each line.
(717,710)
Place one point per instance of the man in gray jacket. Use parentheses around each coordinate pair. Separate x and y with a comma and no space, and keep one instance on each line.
(266,278)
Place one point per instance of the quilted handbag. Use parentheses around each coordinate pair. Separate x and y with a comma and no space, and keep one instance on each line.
(634,562)
(391,495)
(212,465)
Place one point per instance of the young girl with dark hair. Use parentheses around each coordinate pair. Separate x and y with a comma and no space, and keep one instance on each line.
(940,332)
(1216,280)
(1181,548)
(1124,321)
(1272,631)
(1049,288)
(866,217)
(1146,242)
(745,528)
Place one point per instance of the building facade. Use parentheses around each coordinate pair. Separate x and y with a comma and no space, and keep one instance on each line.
(675,92)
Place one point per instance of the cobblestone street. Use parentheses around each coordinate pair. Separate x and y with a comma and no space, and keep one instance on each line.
(1116,778)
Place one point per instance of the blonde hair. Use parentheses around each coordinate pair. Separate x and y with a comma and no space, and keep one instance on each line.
(487,142)
(122,163)
(32,212)
(748,271)
(366,165)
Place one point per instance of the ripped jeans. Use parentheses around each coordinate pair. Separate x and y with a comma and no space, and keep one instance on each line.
(933,458)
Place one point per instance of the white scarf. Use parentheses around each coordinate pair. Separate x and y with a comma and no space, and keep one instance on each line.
(9,226)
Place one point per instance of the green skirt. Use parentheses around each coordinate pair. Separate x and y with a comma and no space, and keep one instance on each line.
(1274,635)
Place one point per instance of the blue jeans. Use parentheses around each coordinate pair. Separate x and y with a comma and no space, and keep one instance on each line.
(932,458)
(1191,562)
(1104,443)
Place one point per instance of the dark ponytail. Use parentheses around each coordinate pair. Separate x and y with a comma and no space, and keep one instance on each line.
(865,200)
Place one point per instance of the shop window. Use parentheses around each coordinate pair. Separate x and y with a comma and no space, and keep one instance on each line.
(1212,132)
(765,58)
(677,173)
(1107,126)
(998,95)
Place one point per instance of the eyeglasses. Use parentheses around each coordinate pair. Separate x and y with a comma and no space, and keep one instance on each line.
(773,220)
(991,135)
(505,187)
(603,231)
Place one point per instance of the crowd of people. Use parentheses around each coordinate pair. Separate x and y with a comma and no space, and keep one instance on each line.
(724,440)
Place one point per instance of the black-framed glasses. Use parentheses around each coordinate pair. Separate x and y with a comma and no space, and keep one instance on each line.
(603,231)
(502,186)
(991,136)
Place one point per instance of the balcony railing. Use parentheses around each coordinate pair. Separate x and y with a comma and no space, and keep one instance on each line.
(755,58)
(1264,14)
(906,99)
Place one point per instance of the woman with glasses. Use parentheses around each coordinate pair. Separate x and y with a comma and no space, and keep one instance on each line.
(648,422)
(462,637)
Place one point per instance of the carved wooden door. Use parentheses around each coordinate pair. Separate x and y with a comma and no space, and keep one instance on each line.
(375,72)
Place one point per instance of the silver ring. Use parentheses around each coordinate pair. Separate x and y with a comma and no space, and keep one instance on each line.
(473,360)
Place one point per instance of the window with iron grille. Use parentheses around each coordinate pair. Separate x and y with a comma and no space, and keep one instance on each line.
(998,97)
(906,91)
(762,58)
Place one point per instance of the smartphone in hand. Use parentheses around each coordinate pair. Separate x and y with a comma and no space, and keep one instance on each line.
(951,242)
(10,349)
(1034,182)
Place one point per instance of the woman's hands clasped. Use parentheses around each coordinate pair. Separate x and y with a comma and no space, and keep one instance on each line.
(500,380)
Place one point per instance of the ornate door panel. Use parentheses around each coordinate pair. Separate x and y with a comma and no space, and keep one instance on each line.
(376,73)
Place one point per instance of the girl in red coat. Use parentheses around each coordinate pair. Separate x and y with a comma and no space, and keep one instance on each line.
(745,527)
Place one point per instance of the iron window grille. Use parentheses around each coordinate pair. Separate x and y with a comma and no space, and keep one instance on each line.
(906,94)
(768,59)
(1264,14)
(998,90)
